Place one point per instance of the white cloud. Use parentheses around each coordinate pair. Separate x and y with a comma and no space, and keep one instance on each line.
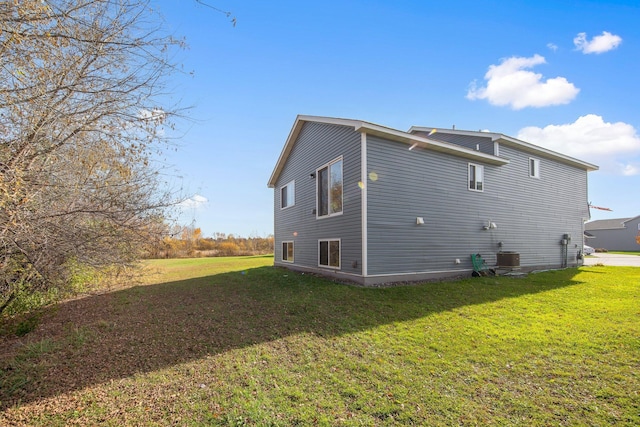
(592,139)
(510,83)
(631,169)
(194,202)
(599,44)
(552,46)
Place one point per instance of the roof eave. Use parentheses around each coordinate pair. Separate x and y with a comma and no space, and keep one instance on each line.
(430,144)
(454,131)
(535,149)
(608,224)
(384,132)
(631,219)
(293,135)
(507,140)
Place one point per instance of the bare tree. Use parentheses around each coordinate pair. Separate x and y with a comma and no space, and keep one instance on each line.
(81,119)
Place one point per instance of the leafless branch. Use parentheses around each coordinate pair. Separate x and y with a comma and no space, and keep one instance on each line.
(77,177)
(228,14)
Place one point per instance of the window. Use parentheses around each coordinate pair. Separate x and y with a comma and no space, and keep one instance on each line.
(329,253)
(330,189)
(534,168)
(288,195)
(476,177)
(287,251)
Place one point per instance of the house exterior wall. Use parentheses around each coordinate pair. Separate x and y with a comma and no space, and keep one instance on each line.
(482,144)
(531,214)
(619,239)
(316,145)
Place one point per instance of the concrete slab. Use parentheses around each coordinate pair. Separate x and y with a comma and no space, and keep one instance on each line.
(613,259)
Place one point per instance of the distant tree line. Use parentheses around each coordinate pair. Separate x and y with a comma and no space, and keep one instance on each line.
(188,242)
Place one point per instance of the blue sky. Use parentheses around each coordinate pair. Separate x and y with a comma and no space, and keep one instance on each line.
(561,74)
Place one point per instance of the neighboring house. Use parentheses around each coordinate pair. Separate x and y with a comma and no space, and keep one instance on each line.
(618,234)
(372,204)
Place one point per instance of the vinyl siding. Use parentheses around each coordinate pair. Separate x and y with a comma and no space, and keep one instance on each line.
(620,239)
(482,144)
(316,145)
(531,214)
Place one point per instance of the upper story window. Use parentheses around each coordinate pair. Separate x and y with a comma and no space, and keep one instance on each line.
(476,177)
(534,168)
(330,189)
(288,195)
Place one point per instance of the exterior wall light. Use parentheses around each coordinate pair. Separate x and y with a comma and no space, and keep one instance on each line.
(490,226)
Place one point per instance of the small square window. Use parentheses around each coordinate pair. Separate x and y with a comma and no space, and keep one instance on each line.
(287,251)
(288,195)
(476,177)
(534,168)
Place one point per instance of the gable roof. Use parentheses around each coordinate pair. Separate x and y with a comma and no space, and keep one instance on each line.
(411,138)
(608,224)
(513,142)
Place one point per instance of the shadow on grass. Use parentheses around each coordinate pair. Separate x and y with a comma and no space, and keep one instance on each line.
(107,337)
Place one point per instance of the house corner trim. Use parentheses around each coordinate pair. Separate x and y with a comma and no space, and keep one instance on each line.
(363,198)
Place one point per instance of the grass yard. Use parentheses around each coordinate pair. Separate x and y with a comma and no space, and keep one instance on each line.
(234,341)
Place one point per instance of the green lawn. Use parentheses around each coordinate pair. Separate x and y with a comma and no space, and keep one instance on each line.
(624,252)
(233,341)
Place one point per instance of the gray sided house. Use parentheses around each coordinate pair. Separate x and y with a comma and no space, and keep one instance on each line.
(619,234)
(371,204)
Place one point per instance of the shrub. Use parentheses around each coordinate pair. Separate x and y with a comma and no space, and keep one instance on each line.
(228,249)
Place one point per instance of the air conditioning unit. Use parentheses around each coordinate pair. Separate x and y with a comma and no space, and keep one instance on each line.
(508,259)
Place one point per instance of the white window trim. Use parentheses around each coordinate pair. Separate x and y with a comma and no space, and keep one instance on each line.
(282,254)
(329,254)
(536,168)
(293,185)
(477,166)
(328,166)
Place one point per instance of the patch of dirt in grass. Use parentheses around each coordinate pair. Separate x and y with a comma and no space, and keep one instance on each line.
(119,334)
